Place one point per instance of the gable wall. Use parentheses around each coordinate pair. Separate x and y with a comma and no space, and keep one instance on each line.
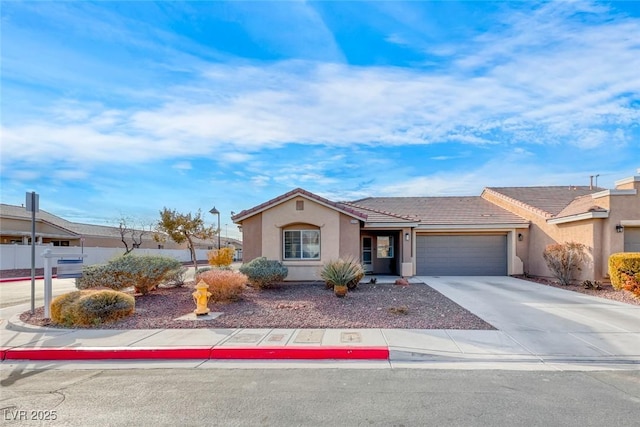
(280,216)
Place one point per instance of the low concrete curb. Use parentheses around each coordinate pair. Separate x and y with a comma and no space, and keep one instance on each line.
(204,353)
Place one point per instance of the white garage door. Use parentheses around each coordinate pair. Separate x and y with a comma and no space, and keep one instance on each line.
(632,239)
(477,255)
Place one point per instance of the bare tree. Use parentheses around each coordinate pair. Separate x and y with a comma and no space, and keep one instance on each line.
(130,235)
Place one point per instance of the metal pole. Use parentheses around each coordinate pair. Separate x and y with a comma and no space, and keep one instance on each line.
(33,252)
(218,230)
(48,282)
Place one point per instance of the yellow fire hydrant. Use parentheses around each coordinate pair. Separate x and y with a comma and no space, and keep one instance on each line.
(201,298)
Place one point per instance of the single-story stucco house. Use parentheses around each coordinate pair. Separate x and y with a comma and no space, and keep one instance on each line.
(501,232)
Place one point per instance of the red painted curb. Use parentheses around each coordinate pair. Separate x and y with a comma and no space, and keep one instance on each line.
(301,353)
(97,353)
(206,353)
(20,279)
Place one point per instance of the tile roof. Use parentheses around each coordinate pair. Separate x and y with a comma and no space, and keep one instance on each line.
(580,205)
(548,201)
(20,212)
(473,210)
(378,216)
(295,192)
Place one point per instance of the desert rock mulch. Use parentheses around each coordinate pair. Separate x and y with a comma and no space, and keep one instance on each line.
(606,290)
(300,305)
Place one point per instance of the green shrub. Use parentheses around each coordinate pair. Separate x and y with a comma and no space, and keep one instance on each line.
(622,265)
(176,277)
(143,273)
(224,285)
(564,259)
(342,272)
(91,307)
(263,272)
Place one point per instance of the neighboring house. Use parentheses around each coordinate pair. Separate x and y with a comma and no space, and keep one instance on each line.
(501,232)
(15,228)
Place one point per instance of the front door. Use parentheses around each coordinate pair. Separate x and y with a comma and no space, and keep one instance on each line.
(384,259)
(367,254)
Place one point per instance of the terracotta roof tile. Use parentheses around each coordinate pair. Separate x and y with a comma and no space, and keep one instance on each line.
(550,201)
(443,210)
(297,191)
(580,205)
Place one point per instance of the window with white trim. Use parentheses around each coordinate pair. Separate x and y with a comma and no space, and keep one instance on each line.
(301,244)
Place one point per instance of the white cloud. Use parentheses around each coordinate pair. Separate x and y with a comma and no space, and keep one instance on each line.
(546,78)
(182,166)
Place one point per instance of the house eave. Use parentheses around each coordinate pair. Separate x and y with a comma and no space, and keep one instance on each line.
(390,225)
(607,193)
(628,180)
(630,223)
(18,233)
(579,217)
(472,227)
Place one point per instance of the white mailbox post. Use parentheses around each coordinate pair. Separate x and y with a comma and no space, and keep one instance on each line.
(69,266)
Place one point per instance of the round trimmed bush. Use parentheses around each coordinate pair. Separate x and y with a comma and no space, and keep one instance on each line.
(263,272)
(91,307)
(622,266)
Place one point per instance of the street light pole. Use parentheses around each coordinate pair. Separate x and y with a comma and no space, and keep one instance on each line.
(215,211)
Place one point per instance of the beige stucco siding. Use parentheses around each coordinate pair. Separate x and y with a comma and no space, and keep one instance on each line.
(623,208)
(252,238)
(349,237)
(277,218)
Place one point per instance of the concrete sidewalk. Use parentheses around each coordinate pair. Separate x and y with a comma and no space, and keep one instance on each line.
(538,327)
(20,342)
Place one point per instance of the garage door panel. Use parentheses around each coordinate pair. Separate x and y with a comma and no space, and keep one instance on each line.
(477,255)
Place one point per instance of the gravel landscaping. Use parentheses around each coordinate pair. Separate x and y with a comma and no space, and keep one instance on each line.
(607,291)
(301,305)
(311,305)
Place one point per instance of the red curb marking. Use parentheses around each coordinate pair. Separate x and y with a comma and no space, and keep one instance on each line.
(226,353)
(20,279)
(106,353)
(301,353)
(3,354)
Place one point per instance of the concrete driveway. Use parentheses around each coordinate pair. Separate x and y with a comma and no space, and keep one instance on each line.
(547,321)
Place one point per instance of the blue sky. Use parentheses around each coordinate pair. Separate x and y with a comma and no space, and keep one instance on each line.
(114,109)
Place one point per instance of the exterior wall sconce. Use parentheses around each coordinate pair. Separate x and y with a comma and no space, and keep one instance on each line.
(520,237)
(406,236)
(619,228)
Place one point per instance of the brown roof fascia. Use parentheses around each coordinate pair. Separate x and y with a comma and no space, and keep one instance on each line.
(516,202)
(290,194)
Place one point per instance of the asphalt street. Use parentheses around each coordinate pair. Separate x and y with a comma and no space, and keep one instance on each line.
(318,397)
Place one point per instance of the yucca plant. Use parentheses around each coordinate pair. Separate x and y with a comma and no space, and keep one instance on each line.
(342,273)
